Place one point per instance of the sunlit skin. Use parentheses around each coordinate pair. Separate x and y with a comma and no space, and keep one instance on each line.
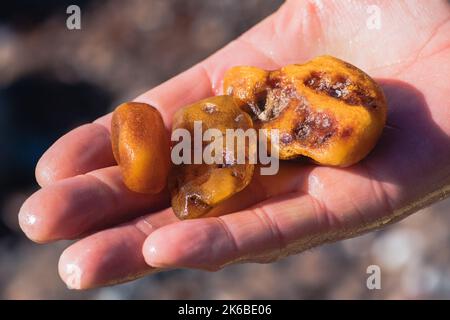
(304,205)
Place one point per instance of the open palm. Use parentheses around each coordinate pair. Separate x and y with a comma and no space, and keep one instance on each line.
(123,235)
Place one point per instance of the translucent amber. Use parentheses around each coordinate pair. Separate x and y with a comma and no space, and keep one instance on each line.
(197,188)
(326,109)
(141,147)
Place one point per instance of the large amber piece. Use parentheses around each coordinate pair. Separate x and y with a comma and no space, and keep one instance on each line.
(198,188)
(326,109)
(141,147)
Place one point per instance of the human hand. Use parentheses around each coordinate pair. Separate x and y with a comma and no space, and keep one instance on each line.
(123,235)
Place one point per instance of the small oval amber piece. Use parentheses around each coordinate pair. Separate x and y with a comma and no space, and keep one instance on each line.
(141,147)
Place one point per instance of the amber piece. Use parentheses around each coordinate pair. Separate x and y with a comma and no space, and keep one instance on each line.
(326,109)
(141,147)
(197,188)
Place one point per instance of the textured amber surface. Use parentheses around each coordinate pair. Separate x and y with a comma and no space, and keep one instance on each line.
(141,147)
(326,109)
(198,188)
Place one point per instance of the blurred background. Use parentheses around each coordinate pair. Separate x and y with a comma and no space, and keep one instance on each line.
(53,79)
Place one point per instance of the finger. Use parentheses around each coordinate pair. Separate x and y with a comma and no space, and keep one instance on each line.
(82,204)
(82,150)
(186,247)
(262,234)
(211,243)
(111,256)
(324,204)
